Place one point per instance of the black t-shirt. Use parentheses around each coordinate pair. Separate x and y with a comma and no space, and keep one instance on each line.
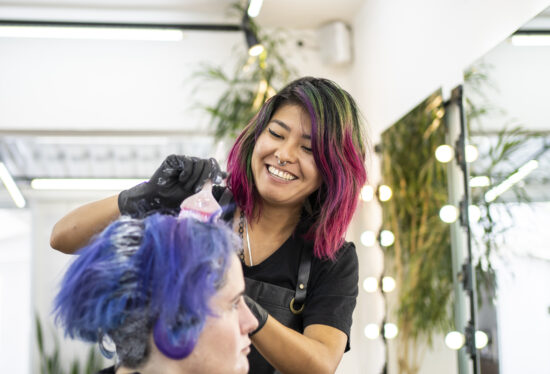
(332,287)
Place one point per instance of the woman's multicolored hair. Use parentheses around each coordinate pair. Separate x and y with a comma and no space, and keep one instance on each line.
(339,150)
(142,276)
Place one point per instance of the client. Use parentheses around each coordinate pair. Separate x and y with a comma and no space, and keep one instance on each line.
(168,292)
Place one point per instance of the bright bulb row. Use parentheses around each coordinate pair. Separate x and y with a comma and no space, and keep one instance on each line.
(389,330)
(370,284)
(445,153)
(384,193)
(386,237)
(456,340)
(450,213)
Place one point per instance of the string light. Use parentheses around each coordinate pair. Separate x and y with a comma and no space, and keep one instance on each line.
(474,213)
(471,153)
(386,238)
(480,181)
(368,238)
(370,284)
(367,193)
(390,330)
(444,153)
(384,192)
(455,340)
(372,331)
(448,213)
(388,284)
(481,339)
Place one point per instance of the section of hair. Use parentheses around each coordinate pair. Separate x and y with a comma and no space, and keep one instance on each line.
(338,144)
(158,272)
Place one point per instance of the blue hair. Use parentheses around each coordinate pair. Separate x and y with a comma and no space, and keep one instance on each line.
(160,270)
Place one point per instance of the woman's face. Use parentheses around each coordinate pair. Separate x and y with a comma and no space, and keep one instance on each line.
(223,344)
(287,137)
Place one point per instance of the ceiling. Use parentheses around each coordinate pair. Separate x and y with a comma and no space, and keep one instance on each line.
(274,13)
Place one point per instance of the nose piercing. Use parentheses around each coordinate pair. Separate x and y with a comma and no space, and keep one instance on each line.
(279,162)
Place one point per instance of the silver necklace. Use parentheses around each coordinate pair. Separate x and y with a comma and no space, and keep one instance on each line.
(248,242)
(243,222)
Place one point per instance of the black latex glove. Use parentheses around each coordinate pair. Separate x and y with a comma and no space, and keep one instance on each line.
(259,312)
(177,178)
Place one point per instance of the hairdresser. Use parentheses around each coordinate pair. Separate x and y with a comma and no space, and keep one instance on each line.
(294,175)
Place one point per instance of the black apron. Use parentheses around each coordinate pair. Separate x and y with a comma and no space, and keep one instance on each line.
(283,304)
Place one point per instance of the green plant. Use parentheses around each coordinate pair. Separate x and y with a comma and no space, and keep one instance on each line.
(50,363)
(252,81)
(420,256)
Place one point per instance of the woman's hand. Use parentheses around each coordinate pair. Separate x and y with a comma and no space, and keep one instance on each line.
(177,178)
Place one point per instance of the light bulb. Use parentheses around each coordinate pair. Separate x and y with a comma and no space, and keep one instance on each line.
(481,339)
(256,50)
(455,340)
(370,284)
(444,153)
(368,238)
(388,284)
(480,181)
(367,193)
(386,238)
(372,331)
(471,153)
(390,330)
(448,213)
(384,192)
(474,213)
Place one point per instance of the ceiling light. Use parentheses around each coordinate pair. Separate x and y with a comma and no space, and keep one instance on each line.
(12,188)
(83,184)
(254,8)
(95,32)
(505,185)
(532,38)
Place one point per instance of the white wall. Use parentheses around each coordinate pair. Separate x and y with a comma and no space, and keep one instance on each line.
(15,290)
(405,50)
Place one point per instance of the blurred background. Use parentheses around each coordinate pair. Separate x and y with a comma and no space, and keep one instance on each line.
(86,112)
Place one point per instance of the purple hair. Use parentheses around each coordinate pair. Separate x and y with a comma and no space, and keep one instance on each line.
(139,276)
(338,146)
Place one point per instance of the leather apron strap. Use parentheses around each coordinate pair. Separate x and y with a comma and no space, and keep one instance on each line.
(283,304)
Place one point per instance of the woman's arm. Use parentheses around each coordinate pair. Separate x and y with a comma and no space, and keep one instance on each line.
(75,229)
(318,351)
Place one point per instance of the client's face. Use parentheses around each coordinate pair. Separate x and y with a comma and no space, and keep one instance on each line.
(223,345)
